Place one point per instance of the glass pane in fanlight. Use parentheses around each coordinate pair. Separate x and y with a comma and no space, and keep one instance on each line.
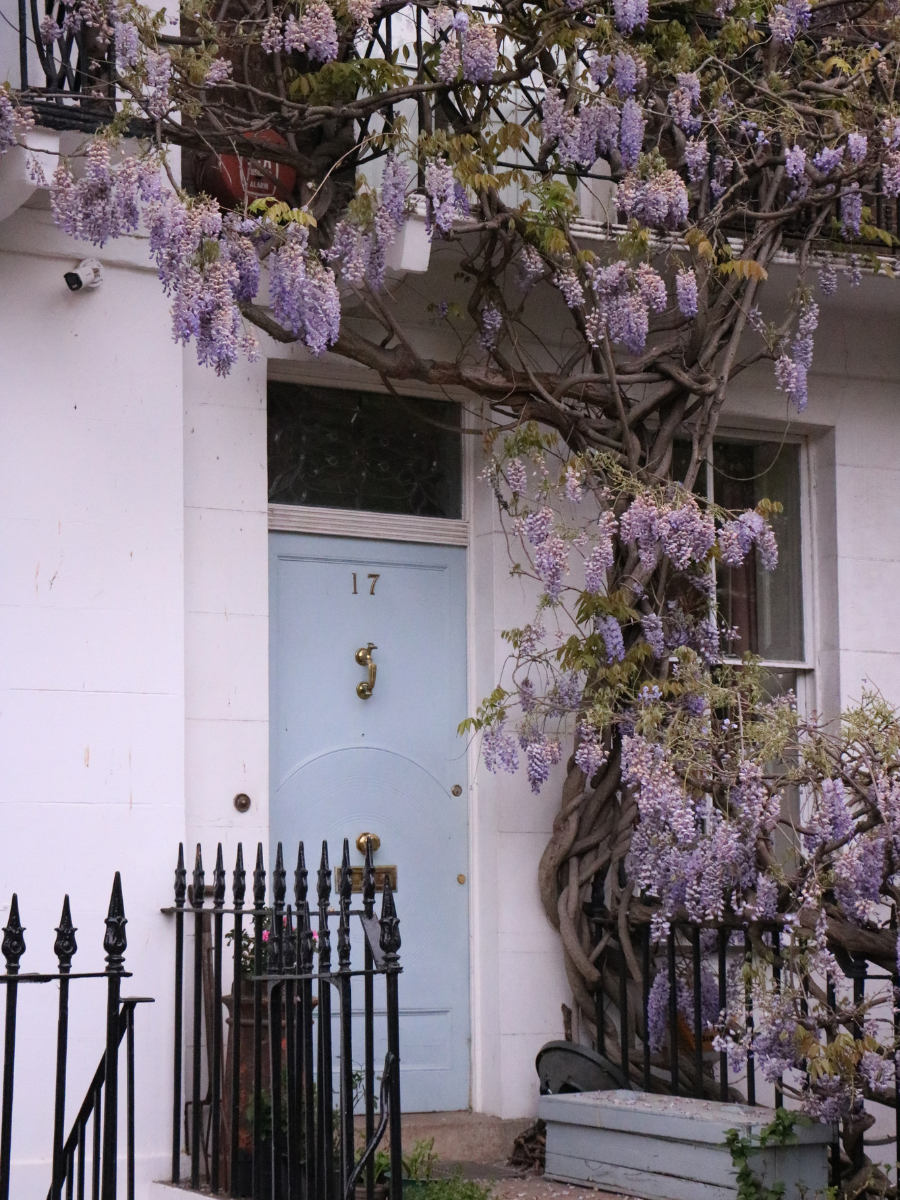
(337,448)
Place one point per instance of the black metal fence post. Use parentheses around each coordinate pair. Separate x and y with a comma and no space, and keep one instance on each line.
(64,948)
(198,891)
(12,948)
(275,993)
(324,1085)
(673,1013)
(259,920)
(390,945)
(305,1049)
(346,1016)
(115,944)
(216,1081)
(180,894)
(238,892)
(369,1017)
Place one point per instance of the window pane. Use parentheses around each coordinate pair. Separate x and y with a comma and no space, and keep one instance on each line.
(766,607)
(363,450)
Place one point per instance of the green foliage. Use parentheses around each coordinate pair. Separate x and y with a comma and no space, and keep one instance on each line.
(779,1133)
(419,1164)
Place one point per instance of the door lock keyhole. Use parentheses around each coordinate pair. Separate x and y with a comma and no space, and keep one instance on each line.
(364,657)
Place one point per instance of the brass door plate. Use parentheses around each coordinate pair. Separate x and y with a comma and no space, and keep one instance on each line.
(381,873)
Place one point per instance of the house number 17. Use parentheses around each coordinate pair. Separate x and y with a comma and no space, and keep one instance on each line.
(374,579)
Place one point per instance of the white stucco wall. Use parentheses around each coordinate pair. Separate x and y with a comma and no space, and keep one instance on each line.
(92,658)
(135,667)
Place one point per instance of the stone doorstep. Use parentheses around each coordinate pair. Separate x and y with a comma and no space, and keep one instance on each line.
(462,1137)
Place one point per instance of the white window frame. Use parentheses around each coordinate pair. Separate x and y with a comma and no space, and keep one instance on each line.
(803,668)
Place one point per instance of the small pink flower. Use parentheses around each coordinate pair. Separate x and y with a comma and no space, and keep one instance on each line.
(265,935)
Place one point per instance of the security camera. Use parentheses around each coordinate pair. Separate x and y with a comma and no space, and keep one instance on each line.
(88,274)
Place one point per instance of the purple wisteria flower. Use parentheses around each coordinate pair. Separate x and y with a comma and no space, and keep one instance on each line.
(737,536)
(491,324)
(611,632)
(652,627)
(590,754)
(439,188)
(14,121)
(539,525)
(540,755)
(857,146)
(531,266)
(272,40)
(686,293)
(318,32)
(660,201)
(630,14)
(658,1012)
(628,72)
(828,277)
(602,555)
(479,53)
(851,212)
(449,62)
(683,100)
(598,68)
(393,189)
(551,561)
(128,43)
(570,286)
(795,163)
(499,750)
(890,174)
(631,132)
(517,476)
(159,75)
(790,19)
(828,159)
(831,820)
(219,72)
(361,13)
(303,294)
(696,157)
(791,374)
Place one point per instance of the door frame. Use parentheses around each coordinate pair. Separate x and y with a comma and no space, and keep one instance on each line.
(435,531)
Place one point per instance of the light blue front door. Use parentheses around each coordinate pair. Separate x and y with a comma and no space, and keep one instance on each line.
(387,765)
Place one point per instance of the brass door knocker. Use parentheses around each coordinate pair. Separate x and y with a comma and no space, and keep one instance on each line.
(364,657)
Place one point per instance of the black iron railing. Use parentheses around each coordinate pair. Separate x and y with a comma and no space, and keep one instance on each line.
(260,1119)
(71,1156)
(683,1064)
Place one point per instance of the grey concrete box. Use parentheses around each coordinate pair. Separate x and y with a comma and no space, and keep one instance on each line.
(673,1148)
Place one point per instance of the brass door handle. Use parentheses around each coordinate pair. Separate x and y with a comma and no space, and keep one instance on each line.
(363,840)
(364,657)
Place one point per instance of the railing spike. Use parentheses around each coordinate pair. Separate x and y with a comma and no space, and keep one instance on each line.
(279,878)
(115,942)
(369,881)
(259,879)
(239,878)
(390,923)
(65,945)
(180,878)
(198,880)
(219,879)
(346,877)
(324,878)
(13,945)
(301,880)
